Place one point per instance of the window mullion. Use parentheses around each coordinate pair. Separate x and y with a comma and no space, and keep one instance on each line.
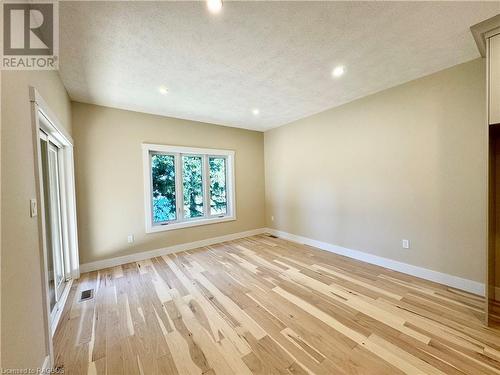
(179,187)
(206,185)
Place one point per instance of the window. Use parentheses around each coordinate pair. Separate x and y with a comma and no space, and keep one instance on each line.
(163,178)
(187,186)
(218,199)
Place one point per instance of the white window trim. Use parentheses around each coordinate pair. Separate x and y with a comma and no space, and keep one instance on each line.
(147,148)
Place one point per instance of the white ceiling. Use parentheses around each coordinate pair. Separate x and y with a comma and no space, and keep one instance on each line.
(275,56)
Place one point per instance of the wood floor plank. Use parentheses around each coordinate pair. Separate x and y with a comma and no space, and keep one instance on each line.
(264,305)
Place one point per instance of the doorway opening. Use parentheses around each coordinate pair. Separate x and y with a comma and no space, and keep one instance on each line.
(54,169)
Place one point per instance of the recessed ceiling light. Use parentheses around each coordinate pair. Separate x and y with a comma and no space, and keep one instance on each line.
(256,111)
(214,6)
(163,90)
(338,71)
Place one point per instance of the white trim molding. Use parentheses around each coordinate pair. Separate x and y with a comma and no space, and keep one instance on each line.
(177,152)
(117,261)
(60,307)
(44,121)
(46,366)
(467,285)
(480,32)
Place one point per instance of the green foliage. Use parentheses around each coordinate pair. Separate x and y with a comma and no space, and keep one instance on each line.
(163,176)
(192,181)
(218,199)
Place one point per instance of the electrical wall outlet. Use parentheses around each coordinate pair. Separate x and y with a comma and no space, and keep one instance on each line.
(405,244)
(33,208)
(130,238)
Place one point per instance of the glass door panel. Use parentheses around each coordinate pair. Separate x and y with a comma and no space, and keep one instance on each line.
(44,146)
(52,212)
(55,218)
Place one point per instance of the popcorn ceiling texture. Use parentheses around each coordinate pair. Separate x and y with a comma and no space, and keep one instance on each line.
(275,56)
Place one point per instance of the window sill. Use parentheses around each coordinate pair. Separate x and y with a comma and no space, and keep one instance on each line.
(187,224)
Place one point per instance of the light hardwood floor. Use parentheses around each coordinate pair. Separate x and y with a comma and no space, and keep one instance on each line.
(268,306)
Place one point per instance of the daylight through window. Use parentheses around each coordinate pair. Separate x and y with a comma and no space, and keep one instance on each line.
(187,186)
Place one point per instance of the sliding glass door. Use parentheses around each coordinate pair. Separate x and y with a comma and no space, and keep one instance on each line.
(51,173)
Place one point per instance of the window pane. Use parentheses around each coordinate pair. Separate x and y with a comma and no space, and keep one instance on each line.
(163,176)
(218,191)
(192,182)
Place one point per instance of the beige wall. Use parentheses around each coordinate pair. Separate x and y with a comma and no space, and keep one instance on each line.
(22,326)
(109,178)
(408,162)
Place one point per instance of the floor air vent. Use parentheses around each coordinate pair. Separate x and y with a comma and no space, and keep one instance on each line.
(87,294)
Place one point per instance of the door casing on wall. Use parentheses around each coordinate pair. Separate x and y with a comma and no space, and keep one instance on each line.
(46,126)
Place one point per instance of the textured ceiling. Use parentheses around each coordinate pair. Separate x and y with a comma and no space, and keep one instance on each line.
(275,56)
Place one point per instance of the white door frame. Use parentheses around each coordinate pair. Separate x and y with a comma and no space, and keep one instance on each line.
(44,119)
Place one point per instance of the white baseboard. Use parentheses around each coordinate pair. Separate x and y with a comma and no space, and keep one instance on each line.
(112,262)
(424,273)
